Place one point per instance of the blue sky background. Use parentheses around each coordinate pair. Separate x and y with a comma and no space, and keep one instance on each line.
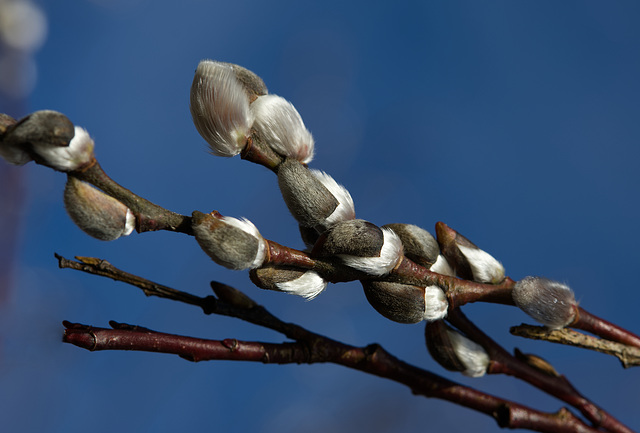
(515,122)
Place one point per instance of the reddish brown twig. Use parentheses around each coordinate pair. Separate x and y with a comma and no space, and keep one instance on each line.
(371,359)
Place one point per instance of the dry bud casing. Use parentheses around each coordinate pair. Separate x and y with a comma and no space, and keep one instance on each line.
(454,351)
(230,242)
(549,302)
(405,303)
(281,127)
(361,245)
(94,212)
(468,261)
(219,104)
(307,284)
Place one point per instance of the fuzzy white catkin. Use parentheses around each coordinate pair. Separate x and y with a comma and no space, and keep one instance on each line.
(390,254)
(435,304)
(308,285)
(220,108)
(484,267)
(280,125)
(471,354)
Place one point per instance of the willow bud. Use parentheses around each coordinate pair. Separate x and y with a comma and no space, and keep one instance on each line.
(307,284)
(308,199)
(361,245)
(41,128)
(406,303)
(454,351)
(220,107)
(419,245)
(549,302)
(230,242)
(77,155)
(345,210)
(469,261)
(279,124)
(96,213)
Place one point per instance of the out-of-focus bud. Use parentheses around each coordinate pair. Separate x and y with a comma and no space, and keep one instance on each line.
(419,245)
(405,303)
(361,245)
(220,107)
(230,242)
(308,200)
(454,351)
(40,130)
(279,124)
(77,155)
(549,302)
(96,213)
(468,261)
(307,284)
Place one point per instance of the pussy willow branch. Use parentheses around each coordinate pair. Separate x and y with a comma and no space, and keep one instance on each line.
(628,356)
(150,217)
(502,362)
(231,302)
(313,348)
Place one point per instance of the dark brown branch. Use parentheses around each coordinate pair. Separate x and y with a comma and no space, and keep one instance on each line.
(502,362)
(371,359)
(628,356)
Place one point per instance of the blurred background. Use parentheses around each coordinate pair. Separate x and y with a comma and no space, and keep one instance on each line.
(515,122)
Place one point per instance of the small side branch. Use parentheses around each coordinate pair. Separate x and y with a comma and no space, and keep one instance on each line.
(628,356)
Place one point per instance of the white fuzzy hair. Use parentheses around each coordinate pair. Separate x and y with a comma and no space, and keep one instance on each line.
(390,255)
(220,108)
(471,354)
(345,209)
(308,285)
(485,268)
(282,128)
(67,158)
(435,304)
